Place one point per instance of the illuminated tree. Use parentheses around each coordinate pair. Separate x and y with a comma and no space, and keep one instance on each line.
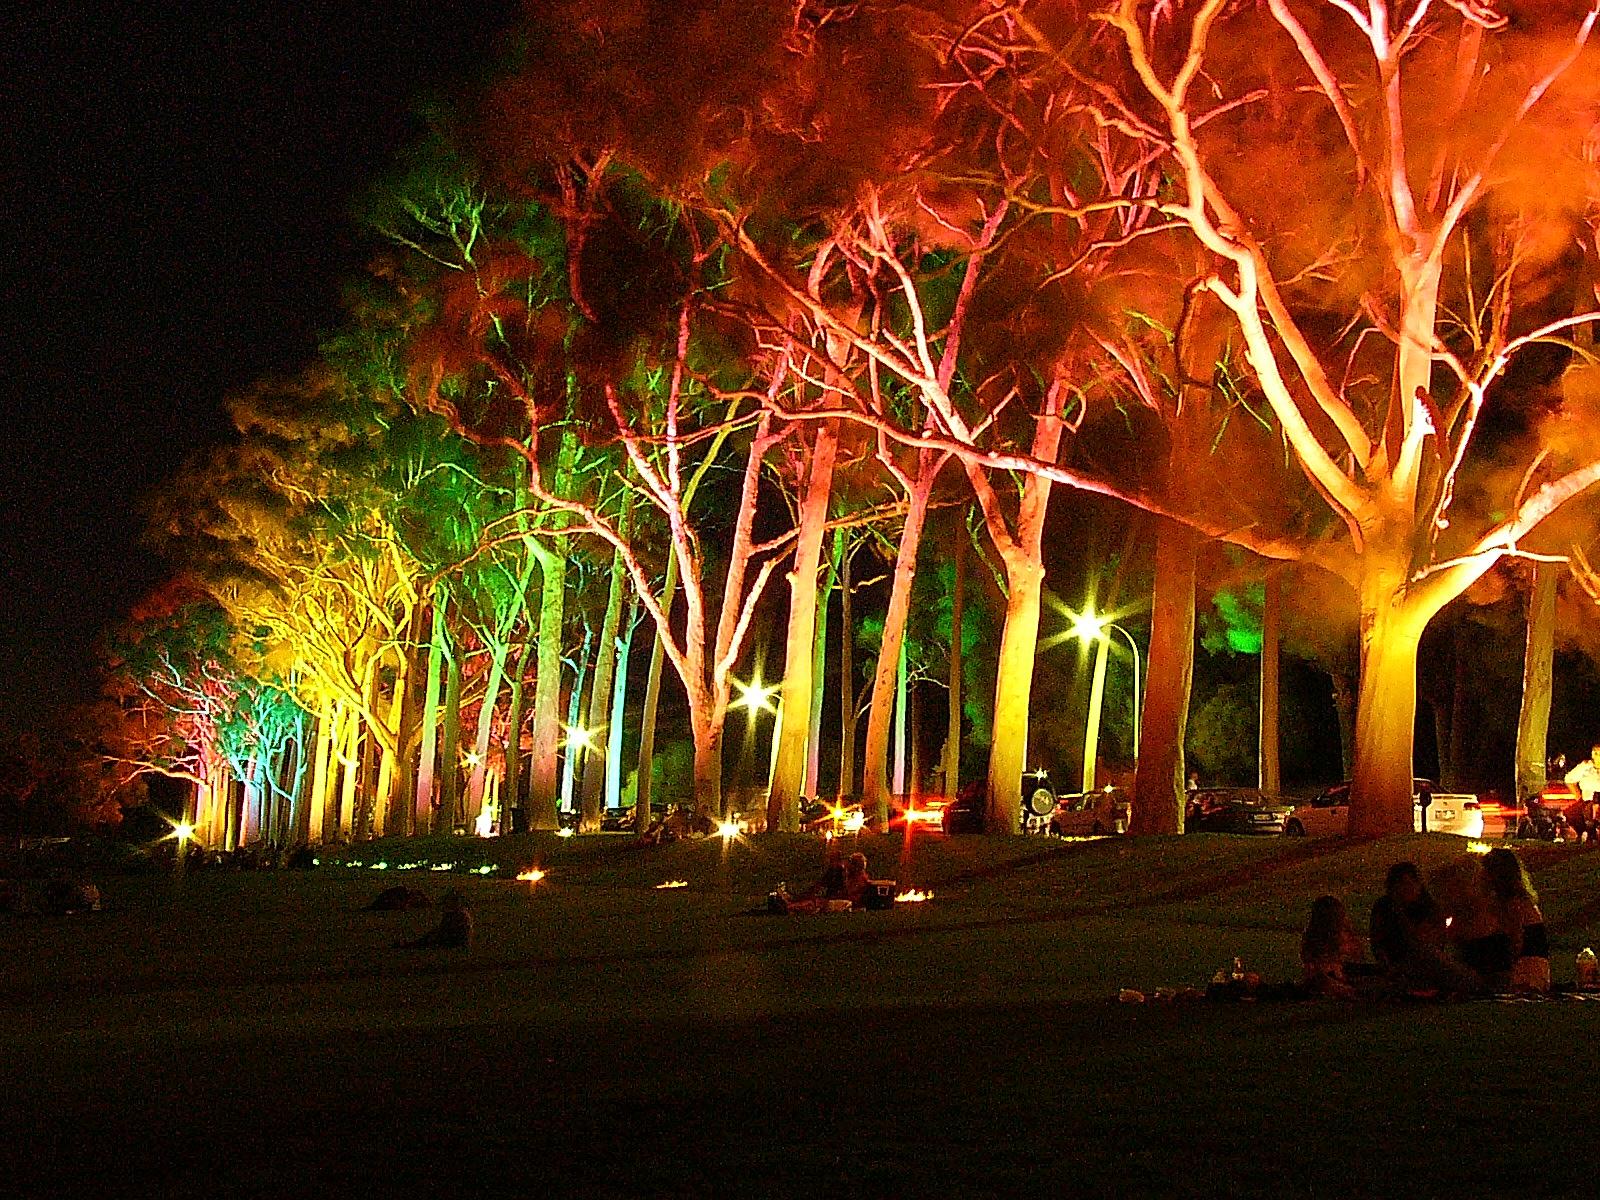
(1386,281)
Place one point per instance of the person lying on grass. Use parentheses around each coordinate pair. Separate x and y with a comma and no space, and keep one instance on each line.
(454,929)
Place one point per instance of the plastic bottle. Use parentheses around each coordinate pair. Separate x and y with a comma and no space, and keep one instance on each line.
(1237,974)
(1588,973)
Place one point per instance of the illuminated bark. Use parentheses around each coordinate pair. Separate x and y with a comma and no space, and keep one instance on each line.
(480,742)
(1158,783)
(647,719)
(511,788)
(847,667)
(1386,705)
(794,710)
(544,781)
(594,753)
(448,814)
(1023,557)
(953,729)
(1538,665)
(423,803)
(619,699)
(819,663)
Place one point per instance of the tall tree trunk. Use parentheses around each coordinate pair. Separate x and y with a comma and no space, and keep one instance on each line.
(708,727)
(652,697)
(552,557)
(594,756)
(1013,687)
(952,743)
(794,710)
(1538,666)
(1159,776)
(350,781)
(422,810)
(480,741)
(875,758)
(448,814)
(544,782)
(902,690)
(819,673)
(394,797)
(1386,704)
(619,700)
(1267,762)
(316,803)
(511,789)
(1091,721)
(847,669)
(575,752)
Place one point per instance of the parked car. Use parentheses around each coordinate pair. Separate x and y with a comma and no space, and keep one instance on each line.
(964,814)
(1236,810)
(1328,813)
(1090,814)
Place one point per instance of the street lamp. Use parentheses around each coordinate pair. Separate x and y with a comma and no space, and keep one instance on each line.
(1090,627)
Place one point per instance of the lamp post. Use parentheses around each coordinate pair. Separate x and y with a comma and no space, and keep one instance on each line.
(1090,627)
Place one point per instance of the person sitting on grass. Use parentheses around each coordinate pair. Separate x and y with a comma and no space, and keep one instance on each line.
(829,886)
(855,880)
(1408,935)
(1514,905)
(454,930)
(1327,944)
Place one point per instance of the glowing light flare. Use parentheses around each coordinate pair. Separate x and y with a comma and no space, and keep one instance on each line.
(755,696)
(672,883)
(913,896)
(730,829)
(184,832)
(483,824)
(566,831)
(531,875)
(855,822)
(1088,627)
(924,816)
(579,738)
(470,759)
(1478,847)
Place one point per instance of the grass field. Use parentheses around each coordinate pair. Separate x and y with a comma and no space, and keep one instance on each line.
(258,1035)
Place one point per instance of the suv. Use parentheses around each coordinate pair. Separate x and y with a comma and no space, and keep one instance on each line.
(1328,813)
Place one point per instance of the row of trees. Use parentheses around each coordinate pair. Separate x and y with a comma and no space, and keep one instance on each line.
(691,296)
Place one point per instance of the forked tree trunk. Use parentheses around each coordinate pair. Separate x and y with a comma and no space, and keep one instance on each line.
(619,700)
(480,741)
(1538,664)
(794,709)
(1158,780)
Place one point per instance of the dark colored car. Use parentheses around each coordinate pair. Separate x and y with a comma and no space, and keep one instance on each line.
(964,814)
(1236,810)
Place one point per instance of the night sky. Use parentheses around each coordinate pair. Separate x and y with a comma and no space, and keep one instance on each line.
(179,180)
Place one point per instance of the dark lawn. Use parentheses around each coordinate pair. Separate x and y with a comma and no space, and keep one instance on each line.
(245,1035)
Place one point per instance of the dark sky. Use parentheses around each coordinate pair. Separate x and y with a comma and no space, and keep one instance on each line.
(178,184)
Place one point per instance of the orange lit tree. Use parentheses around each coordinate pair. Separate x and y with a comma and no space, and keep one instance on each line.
(1424,165)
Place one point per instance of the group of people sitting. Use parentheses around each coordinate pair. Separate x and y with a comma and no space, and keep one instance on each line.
(843,885)
(1482,932)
